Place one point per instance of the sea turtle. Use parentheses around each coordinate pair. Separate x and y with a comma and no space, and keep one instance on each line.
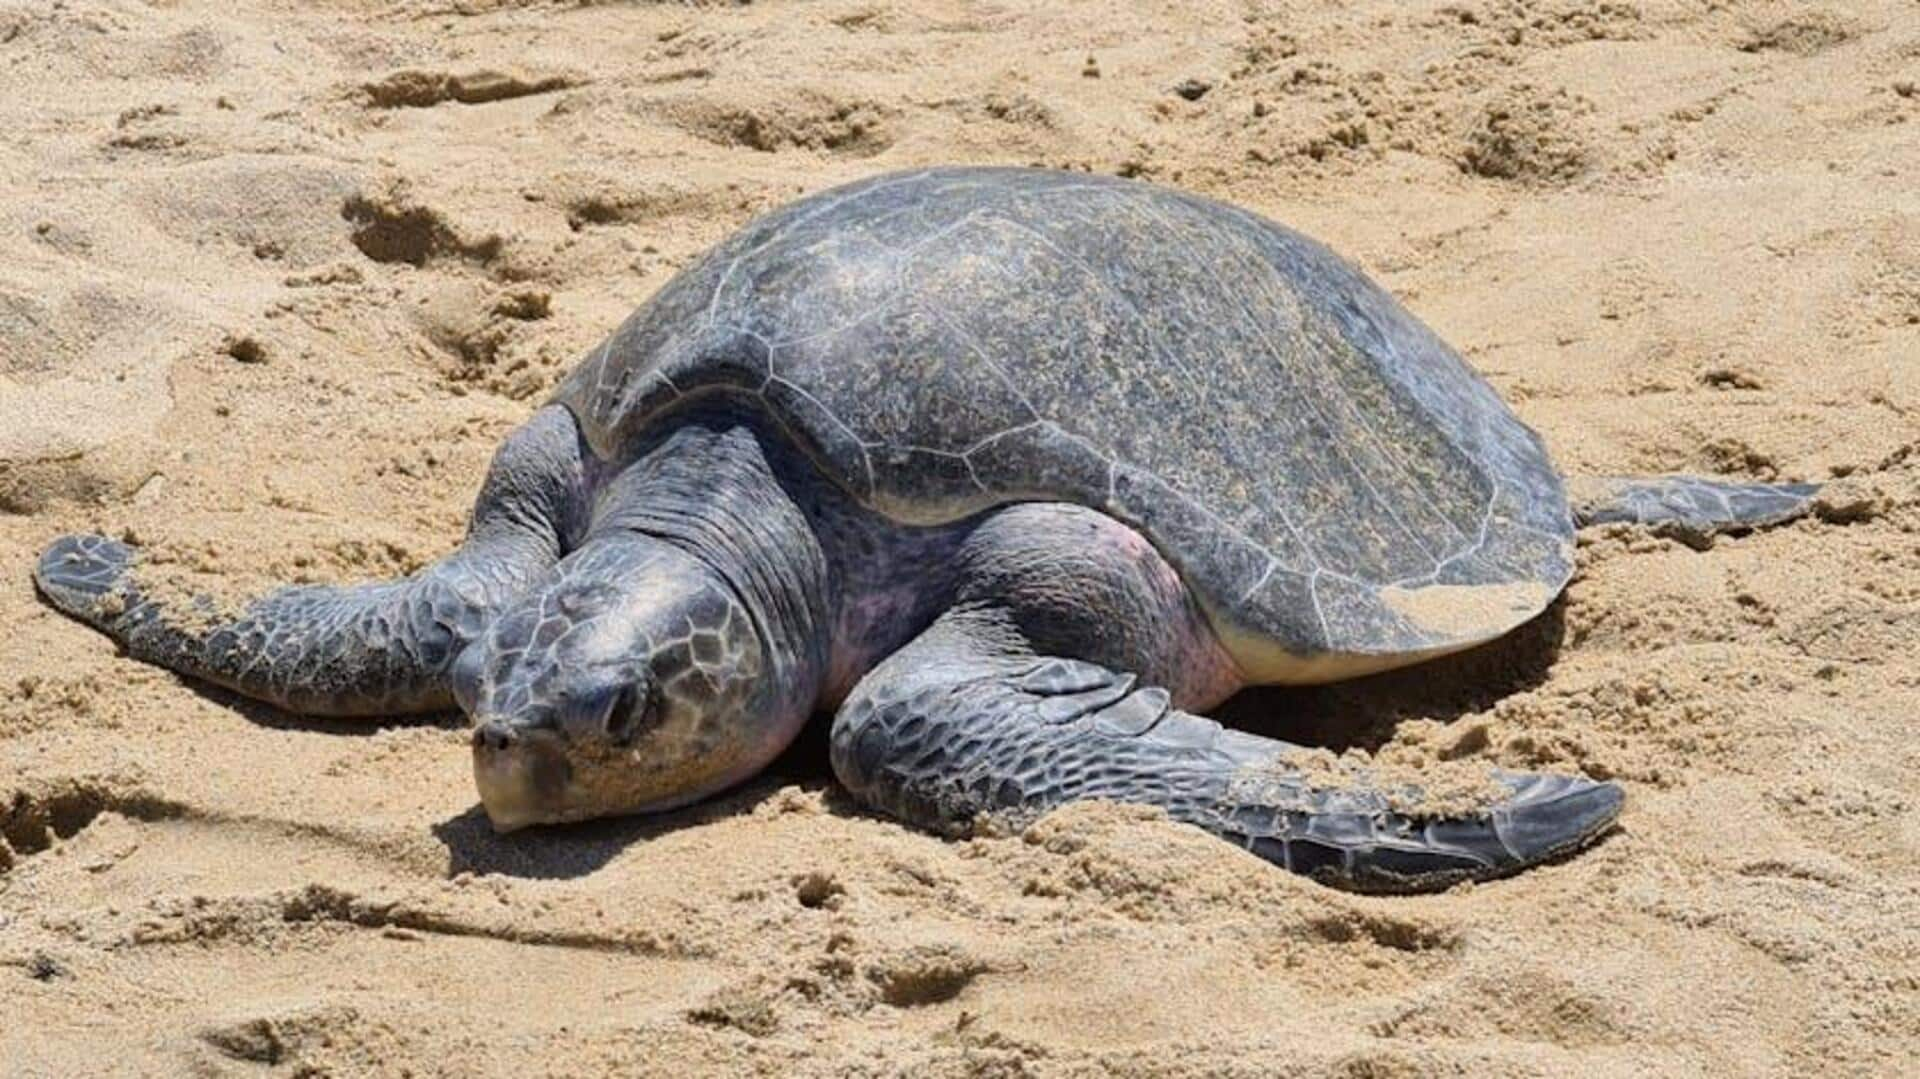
(1016,472)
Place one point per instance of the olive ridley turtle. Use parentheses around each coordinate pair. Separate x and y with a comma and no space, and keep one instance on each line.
(1015,472)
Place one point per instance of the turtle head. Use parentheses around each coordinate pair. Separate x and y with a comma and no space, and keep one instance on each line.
(634,680)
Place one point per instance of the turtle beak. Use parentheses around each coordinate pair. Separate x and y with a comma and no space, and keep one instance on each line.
(522,774)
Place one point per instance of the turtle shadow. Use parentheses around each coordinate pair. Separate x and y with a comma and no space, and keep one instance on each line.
(262,714)
(577,849)
(543,852)
(1363,713)
(560,851)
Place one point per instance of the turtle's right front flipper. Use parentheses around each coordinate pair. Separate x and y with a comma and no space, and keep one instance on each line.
(363,649)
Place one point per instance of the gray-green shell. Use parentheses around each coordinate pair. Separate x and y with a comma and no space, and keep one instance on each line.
(1339,489)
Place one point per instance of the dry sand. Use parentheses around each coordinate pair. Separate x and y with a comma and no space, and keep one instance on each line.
(273,282)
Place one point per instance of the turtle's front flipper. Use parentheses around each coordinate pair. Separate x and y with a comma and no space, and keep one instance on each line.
(1689,506)
(956,726)
(357,650)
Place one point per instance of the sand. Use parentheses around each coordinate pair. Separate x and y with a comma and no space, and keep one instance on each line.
(274,280)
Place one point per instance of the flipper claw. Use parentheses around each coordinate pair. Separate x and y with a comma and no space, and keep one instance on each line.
(84,575)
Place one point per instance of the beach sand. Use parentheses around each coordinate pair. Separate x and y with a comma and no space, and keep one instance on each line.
(275,279)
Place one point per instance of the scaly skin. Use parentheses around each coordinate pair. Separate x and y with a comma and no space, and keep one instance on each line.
(370,649)
(675,653)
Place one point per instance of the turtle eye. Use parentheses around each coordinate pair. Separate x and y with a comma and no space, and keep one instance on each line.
(465,677)
(633,711)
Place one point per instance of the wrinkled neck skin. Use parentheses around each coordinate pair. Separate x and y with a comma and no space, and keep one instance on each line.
(707,494)
(836,587)
(724,591)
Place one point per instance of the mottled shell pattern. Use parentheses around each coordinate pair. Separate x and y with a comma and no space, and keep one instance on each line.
(1337,487)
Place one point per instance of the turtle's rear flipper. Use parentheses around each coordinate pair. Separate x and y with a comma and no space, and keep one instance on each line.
(1691,508)
(955,726)
(365,649)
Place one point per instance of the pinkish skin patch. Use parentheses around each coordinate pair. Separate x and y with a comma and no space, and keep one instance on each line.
(1205,674)
(1211,676)
(857,649)
(1202,673)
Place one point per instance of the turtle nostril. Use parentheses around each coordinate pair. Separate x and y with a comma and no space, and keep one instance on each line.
(493,735)
(619,719)
(635,708)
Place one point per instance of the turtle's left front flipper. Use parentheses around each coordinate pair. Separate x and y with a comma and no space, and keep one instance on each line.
(964,723)
(1691,507)
(365,649)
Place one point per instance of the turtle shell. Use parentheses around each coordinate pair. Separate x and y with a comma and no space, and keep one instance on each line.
(1337,487)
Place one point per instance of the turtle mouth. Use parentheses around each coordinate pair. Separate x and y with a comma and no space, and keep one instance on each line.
(530,775)
(522,775)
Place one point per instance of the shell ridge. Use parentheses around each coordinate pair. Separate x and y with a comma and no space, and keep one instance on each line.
(1105,286)
(999,372)
(826,205)
(1480,542)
